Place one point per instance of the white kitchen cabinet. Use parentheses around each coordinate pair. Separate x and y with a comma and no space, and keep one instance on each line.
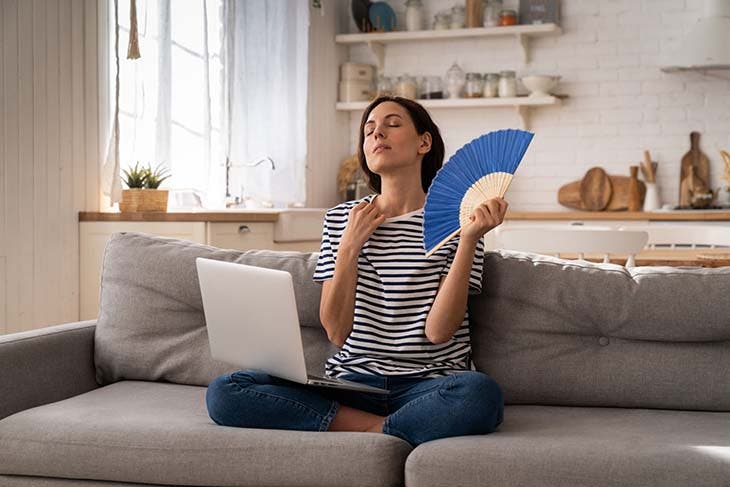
(93,237)
(614,224)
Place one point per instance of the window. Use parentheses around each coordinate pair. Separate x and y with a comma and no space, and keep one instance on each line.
(203,93)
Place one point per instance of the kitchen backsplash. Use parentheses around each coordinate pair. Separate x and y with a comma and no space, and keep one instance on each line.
(619,102)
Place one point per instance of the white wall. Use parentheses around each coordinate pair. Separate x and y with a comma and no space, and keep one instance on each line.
(48,155)
(620,102)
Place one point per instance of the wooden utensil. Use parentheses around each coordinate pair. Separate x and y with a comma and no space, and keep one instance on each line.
(635,199)
(570,197)
(595,189)
(695,157)
(620,199)
(648,168)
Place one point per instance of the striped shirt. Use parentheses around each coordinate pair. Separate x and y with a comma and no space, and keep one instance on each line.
(396,287)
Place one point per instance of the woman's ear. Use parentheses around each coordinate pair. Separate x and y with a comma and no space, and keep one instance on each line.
(425,144)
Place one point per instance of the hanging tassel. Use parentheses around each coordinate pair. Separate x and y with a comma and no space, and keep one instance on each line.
(133,50)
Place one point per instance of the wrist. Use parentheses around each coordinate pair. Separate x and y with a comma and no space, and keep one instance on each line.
(469,241)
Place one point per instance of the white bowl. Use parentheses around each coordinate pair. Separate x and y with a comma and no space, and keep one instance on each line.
(540,85)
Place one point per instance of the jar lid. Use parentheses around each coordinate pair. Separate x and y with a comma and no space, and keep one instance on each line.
(508,12)
(507,73)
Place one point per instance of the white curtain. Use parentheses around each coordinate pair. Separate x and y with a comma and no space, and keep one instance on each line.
(217,80)
(267,54)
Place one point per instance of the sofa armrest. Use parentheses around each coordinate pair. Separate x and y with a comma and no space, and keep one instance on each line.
(46,365)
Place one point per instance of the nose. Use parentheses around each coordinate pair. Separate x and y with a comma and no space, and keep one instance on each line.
(378,132)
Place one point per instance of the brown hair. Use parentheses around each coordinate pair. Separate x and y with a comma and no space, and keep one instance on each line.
(432,160)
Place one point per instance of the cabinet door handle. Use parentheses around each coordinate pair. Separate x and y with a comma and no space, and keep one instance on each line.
(244,229)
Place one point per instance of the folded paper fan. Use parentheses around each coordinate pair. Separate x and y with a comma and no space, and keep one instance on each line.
(477,172)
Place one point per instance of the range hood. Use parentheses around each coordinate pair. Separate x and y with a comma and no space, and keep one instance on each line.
(707,46)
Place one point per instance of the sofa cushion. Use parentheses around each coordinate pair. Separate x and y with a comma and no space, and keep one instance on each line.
(559,332)
(593,447)
(151,324)
(144,432)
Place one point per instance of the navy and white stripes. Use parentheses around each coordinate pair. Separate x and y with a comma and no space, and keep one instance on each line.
(396,288)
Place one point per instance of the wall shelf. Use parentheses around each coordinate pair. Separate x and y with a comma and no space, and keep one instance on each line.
(376,41)
(521,104)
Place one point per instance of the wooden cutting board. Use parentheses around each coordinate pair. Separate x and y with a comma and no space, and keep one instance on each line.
(695,157)
(570,194)
(595,189)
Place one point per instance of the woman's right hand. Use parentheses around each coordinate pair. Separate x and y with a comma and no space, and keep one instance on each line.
(362,221)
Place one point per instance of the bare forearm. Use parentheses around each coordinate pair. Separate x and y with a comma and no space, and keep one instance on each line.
(449,307)
(338,311)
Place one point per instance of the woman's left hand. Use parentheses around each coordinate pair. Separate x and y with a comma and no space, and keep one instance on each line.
(484,218)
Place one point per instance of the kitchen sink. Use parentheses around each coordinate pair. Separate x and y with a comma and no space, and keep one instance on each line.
(299,224)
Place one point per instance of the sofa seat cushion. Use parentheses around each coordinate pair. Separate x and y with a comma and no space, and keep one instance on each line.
(559,446)
(157,433)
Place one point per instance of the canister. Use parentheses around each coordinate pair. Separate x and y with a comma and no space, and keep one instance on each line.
(356,72)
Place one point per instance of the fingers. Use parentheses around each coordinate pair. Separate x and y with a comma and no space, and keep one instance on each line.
(490,213)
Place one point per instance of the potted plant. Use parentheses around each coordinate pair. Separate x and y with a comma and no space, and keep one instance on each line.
(143,193)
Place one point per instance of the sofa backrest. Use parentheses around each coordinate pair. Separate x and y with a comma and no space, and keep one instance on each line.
(549,331)
(559,332)
(151,324)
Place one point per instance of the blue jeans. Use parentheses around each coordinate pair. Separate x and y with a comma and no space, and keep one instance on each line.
(416,409)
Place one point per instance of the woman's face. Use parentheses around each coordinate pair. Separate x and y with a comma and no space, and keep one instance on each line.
(390,139)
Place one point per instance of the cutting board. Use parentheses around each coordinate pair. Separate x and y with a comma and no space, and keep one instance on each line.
(695,157)
(570,195)
(595,189)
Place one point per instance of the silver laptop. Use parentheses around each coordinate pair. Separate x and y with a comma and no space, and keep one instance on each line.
(252,321)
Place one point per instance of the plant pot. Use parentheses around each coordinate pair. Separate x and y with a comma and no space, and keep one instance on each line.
(138,199)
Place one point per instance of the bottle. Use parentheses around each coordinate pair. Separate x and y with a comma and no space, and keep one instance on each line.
(455,81)
(473,86)
(458,17)
(491,85)
(507,17)
(474,13)
(441,21)
(406,87)
(491,13)
(635,202)
(414,15)
(507,84)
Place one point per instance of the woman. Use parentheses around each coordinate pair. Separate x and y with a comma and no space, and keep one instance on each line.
(400,318)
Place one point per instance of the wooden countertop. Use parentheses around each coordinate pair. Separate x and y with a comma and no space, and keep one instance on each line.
(272,215)
(678,257)
(181,216)
(683,215)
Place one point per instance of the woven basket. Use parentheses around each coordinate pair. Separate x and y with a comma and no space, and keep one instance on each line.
(138,199)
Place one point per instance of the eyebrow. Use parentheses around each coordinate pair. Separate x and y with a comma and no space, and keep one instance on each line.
(389,115)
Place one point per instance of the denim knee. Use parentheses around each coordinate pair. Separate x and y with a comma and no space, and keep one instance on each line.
(215,398)
(482,398)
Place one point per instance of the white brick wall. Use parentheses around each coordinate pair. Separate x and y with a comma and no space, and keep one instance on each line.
(620,102)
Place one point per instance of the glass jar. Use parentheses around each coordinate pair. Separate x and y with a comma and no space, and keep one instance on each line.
(432,88)
(491,13)
(507,17)
(441,21)
(458,17)
(474,86)
(491,85)
(406,87)
(384,86)
(507,84)
(414,15)
(455,81)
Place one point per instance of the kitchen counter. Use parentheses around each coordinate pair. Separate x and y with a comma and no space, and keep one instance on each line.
(272,215)
(253,215)
(676,215)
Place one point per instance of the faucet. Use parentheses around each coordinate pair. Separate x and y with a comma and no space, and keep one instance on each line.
(229,164)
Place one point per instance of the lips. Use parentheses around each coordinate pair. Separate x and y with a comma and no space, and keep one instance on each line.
(379,148)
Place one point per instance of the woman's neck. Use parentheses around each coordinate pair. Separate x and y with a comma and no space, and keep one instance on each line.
(396,201)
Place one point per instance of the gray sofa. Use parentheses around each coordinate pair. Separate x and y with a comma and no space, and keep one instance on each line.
(611,377)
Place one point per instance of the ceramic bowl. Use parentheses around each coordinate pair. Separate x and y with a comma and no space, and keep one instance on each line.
(540,85)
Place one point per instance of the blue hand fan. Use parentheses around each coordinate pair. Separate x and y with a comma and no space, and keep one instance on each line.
(480,170)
